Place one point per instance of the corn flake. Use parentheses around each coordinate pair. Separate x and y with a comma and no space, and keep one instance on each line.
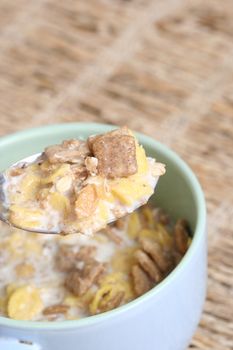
(134,225)
(24,303)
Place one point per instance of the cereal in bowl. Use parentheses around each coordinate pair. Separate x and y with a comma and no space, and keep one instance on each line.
(55,278)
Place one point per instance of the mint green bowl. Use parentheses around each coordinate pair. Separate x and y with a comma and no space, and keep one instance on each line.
(165,317)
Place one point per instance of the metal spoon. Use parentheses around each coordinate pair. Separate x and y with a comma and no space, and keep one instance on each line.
(3,209)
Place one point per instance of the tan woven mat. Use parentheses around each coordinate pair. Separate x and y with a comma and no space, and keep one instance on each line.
(164,67)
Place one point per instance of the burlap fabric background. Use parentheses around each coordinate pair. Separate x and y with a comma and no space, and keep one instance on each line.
(164,67)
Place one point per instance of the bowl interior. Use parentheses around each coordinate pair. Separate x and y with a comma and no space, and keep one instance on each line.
(174,191)
(178,191)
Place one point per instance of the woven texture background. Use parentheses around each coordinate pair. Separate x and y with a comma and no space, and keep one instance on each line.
(163,67)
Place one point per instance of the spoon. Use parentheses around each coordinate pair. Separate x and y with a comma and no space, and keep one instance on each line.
(3,209)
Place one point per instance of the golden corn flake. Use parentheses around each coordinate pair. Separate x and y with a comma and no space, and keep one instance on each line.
(128,190)
(163,236)
(147,233)
(64,184)
(87,298)
(141,159)
(110,287)
(29,187)
(158,234)
(148,216)
(102,211)
(134,225)
(59,202)
(59,171)
(112,278)
(119,281)
(71,300)
(123,260)
(25,217)
(95,305)
(80,301)
(46,166)
(24,303)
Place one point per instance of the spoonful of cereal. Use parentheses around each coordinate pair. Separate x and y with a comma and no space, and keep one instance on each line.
(79,186)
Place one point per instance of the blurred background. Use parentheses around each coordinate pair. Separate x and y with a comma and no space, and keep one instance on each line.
(164,68)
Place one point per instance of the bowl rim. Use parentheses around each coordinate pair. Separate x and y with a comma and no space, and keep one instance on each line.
(200,227)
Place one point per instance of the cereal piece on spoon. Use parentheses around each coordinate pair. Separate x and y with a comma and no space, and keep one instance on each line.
(70,151)
(116,155)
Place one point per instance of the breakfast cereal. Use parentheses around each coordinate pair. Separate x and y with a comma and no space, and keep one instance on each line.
(81,186)
(54,278)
